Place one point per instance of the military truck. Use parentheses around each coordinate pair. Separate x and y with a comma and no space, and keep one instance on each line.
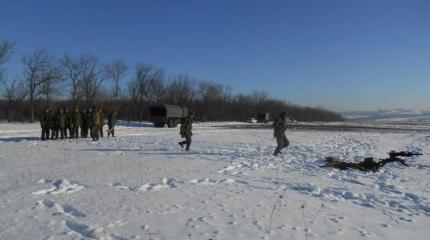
(165,114)
(263,117)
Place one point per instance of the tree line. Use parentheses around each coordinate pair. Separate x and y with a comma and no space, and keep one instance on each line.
(83,81)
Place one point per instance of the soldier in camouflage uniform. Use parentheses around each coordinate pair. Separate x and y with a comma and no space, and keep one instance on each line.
(62,124)
(53,123)
(90,121)
(44,124)
(84,127)
(185,131)
(96,123)
(102,122)
(111,124)
(76,123)
(69,123)
(279,128)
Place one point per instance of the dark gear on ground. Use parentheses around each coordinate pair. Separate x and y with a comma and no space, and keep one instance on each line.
(369,164)
(279,128)
(186,131)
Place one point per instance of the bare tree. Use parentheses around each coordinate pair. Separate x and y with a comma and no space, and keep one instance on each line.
(71,70)
(6,48)
(142,77)
(92,77)
(13,94)
(133,93)
(181,90)
(156,86)
(116,71)
(35,66)
(51,79)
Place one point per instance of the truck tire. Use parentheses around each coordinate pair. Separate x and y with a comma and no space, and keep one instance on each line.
(159,124)
(170,123)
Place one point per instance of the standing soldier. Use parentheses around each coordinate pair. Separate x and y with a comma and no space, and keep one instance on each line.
(44,124)
(111,124)
(84,127)
(62,124)
(69,122)
(279,128)
(102,123)
(76,123)
(90,121)
(185,132)
(96,123)
(53,123)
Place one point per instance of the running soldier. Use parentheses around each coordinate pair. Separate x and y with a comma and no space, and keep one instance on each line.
(185,131)
(279,128)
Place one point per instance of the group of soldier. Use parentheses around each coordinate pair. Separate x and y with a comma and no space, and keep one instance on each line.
(57,123)
(62,123)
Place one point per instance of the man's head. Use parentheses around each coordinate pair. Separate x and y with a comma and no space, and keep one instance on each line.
(283,114)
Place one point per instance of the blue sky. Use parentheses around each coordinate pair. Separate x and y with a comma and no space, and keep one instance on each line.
(342,55)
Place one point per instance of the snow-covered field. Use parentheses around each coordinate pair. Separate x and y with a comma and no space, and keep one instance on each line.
(142,185)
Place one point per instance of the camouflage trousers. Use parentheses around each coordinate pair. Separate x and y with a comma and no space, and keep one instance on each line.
(54,133)
(63,133)
(68,129)
(75,132)
(187,141)
(282,142)
(111,130)
(96,132)
(45,133)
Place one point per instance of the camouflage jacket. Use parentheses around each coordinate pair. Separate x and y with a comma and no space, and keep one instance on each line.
(76,119)
(279,126)
(186,126)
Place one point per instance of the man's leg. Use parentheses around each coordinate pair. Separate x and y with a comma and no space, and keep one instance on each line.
(280,143)
(286,142)
(188,142)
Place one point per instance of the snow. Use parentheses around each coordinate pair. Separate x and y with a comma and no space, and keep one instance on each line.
(142,185)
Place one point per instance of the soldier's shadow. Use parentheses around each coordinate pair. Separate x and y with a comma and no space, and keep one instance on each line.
(18,139)
(151,152)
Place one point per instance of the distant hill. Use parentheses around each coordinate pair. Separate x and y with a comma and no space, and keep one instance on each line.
(387,115)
